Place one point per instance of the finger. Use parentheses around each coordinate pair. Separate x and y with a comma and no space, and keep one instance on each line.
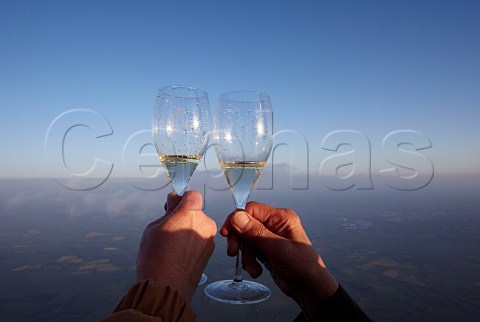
(191,201)
(283,222)
(233,245)
(259,211)
(173,199)
(249,261)
(260,255)
(227,228)
(253,231)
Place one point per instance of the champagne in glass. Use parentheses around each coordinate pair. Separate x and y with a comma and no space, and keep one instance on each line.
(241,177)
(243,141)
(180,168)
(181,122)
(180,131)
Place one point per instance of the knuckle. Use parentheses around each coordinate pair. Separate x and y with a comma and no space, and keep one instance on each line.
(251,204)
(151,225)
(259,232)
(290,215)
(211,224)
(193,194)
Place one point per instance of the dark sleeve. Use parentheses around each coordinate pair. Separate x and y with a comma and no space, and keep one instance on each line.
(338,307)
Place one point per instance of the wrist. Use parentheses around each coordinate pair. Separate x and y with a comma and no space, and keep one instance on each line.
(320,286)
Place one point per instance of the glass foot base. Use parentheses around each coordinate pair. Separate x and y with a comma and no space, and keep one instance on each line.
(203,279)
(244,292)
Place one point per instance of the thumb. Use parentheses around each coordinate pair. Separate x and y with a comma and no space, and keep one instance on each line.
(191,201)
(250,229)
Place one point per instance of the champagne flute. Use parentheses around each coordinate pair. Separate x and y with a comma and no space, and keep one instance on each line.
(243,141)
(181,122)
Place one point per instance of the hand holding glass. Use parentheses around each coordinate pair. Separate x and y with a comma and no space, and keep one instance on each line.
(181,122)
(243,141)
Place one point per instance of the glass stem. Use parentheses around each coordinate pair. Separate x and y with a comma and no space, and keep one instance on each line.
(238,264)
(238,267)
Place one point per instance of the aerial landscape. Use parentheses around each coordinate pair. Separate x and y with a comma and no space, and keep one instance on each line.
(409,257)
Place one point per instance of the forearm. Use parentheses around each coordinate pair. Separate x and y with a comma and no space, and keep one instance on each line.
(316,285)
(338,307)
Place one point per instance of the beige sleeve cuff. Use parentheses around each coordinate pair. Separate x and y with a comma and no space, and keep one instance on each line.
(148,301)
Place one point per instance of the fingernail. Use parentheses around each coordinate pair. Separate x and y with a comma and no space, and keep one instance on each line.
(241,220)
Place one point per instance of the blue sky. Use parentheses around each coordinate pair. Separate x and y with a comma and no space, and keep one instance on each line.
(369,66)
